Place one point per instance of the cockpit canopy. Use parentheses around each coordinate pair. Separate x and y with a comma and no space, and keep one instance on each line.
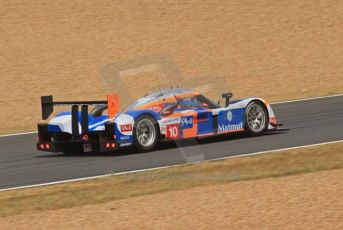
(184,98)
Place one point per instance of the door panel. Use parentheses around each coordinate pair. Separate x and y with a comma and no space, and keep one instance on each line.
(231,120)
(205,122)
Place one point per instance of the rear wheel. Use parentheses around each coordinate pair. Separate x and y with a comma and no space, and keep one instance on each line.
(256,118)
(146,133)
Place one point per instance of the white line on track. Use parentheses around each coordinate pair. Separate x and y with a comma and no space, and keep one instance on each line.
(17,134)
(306,99)
(274,103)
(170,166)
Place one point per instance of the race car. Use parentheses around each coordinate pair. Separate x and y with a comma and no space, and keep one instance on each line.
(171,114)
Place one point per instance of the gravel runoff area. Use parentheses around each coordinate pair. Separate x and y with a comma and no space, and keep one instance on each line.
(307,201)
(68,49)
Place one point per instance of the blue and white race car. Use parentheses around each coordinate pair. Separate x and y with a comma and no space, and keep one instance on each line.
(164,115)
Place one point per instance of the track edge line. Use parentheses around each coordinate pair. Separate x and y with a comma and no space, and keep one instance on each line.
(165,167)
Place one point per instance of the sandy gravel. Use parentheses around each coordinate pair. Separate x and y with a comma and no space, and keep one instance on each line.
(267,48)
(308,201)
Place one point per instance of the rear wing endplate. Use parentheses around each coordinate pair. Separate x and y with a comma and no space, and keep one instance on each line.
(47,104)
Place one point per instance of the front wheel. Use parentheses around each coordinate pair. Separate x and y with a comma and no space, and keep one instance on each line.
(146,133)
(256,118)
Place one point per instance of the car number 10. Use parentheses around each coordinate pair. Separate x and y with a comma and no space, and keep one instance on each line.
(173,131)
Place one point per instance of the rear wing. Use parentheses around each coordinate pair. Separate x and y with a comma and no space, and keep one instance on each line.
(47,104)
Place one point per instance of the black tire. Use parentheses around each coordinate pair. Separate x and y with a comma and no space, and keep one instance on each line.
(251,121)
(152,126)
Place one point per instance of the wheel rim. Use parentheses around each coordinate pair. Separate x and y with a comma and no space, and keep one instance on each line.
(256,118)
(145,132)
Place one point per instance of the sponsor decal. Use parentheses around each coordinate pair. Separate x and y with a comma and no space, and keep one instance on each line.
(175,120)
(126,128)
(229,116)
(125,144)
(124,137)
(187,122)
(229,127)
(173,131)
(156,108)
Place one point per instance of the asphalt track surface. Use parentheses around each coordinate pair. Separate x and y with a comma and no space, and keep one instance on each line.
(309,122)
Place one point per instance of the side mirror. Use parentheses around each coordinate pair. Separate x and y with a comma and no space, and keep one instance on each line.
(227,97)
(166,111)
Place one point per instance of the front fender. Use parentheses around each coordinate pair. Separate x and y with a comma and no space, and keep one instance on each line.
(244,103)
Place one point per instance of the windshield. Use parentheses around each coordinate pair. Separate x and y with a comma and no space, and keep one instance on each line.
(194,101)
(205,102)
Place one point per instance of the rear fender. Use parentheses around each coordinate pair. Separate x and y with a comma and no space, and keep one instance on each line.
(125,123)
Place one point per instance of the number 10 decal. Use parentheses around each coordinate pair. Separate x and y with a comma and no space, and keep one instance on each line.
(173,131)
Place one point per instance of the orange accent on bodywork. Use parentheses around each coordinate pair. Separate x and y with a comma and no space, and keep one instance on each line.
(175,114)
(191,132)
(265,102)
(183,95)
(156,108)
(113,104)
(231,131)
(272,120)
(157,102)
(205,134)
